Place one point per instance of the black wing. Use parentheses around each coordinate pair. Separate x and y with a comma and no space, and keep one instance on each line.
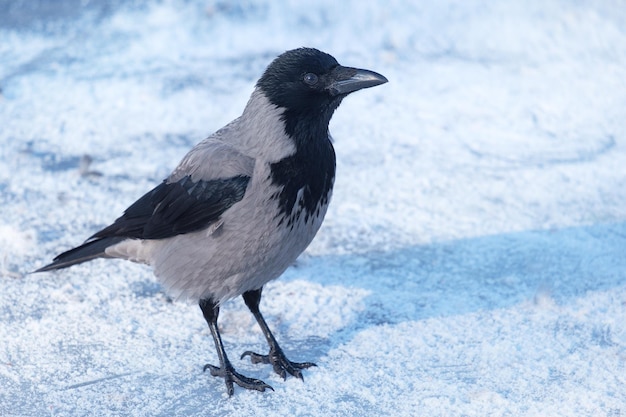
(175,208)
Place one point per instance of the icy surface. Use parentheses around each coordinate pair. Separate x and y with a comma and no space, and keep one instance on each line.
(473,261)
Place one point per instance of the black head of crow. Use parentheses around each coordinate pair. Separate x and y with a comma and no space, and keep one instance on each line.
(310,85)
(243,203)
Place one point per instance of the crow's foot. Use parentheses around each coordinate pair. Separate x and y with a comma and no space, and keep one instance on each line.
(230,376)
(279,362)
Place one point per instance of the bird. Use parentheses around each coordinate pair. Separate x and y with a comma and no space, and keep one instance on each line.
(242,204)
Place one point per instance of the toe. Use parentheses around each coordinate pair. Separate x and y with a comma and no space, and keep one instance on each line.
(255,357)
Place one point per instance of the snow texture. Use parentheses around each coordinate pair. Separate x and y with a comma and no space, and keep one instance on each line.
(473,260)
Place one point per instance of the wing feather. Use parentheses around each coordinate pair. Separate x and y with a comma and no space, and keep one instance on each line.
(176,208)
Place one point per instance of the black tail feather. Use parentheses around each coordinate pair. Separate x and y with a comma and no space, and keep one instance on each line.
(83,253)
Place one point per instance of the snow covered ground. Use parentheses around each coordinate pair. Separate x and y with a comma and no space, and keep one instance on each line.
(473,262)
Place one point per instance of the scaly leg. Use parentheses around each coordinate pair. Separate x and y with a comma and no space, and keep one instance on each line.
(276,357)
(211,310)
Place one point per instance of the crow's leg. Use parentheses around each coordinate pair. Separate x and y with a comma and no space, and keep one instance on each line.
(276,357)
(211,310)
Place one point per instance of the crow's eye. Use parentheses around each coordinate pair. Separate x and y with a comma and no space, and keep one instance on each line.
(310,78)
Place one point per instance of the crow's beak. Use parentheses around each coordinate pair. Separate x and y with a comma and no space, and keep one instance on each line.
(346,80)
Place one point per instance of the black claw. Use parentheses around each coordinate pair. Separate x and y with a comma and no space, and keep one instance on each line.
(255,357)
(280,363)
(230,376)
(215,371)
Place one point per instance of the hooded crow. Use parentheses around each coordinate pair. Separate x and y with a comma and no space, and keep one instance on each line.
(243,203)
